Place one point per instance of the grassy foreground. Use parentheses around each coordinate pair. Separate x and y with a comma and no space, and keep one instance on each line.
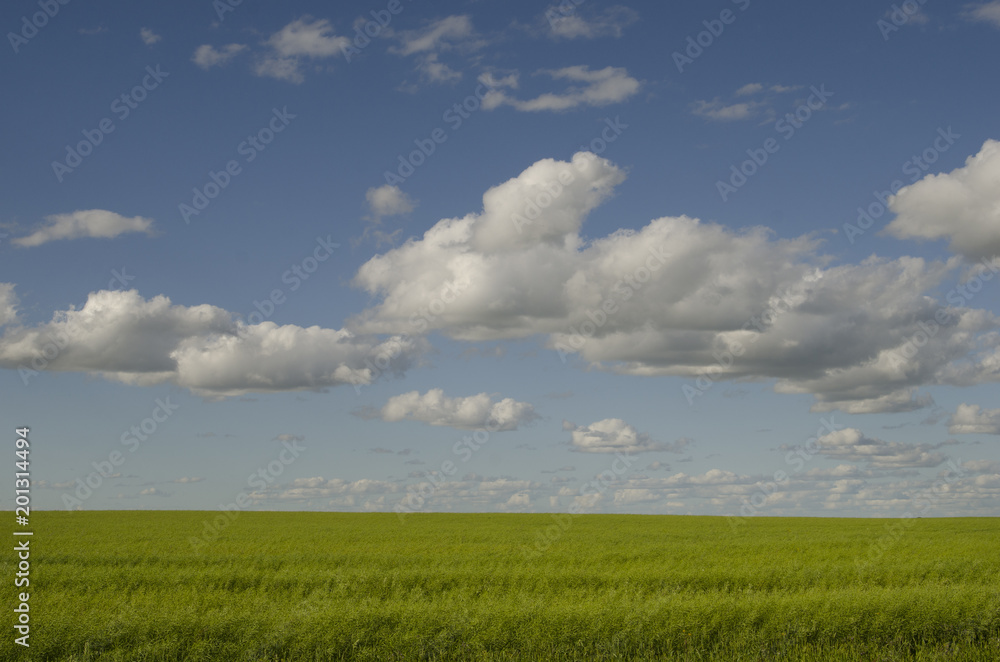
(129,586)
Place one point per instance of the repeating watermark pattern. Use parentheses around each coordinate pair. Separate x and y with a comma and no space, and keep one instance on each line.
(786,126)
(365,30)
(922,503)
(133,438)
(30,27)
(547,536)
(223,7)
(796,458)
(249,149)
(898,15)
(959,297)
(58,342)
(563,10)
(625,289)
(726,358)
(294,276)
(464,449)
(455,117)
(697,44)
(257,483)
(916,167)
(554,189)
(419,323)
(122,107)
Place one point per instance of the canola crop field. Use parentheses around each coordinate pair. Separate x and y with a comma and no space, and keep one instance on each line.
(161,585)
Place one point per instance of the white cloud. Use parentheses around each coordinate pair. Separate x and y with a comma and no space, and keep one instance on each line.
(844,490)
(97,223)
(682,293)
(717,110)
(853,446)
(8,304)
(517,503)
(311,38)
(749,88)
(838,472)
(471,493)
(494,81)
(970,419)
(710,477)
(988,12)
(632,495)
(303,37)
(962,206)
(571,25)
(186,480)
(442,34)
(613,435)
(203,348)
(280,68)
(446,34)
(463,413)
(149,37)
(388,200)
(436,71)
(206,56)
(982,466)
(303,489)
(600,87)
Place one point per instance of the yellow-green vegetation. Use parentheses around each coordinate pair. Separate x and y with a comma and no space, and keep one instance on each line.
(342,586)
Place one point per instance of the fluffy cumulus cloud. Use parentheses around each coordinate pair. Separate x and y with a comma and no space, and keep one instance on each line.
(207,56)
(464,413)
(613,435)
(568,22)
(312,38)
(852,445)
(962,206)
(680,297)
(388,200)
(125,337)
(97,223)
(302,38)
(970,419)
(600,87)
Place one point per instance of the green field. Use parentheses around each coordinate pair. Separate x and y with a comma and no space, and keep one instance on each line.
(335,586)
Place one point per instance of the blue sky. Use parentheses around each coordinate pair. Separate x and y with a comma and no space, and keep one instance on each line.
(507,257)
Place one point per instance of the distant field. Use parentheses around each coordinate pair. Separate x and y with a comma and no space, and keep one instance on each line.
(312,586)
